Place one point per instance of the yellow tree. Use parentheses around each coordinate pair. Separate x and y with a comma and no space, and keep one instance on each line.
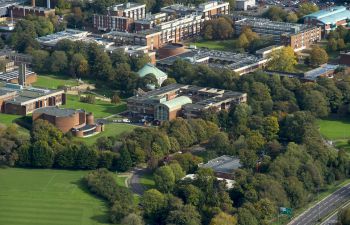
(318,56)
(223,219)
(283,60)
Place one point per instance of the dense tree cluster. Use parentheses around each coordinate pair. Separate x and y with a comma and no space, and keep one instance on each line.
(218,29)
(90,61)
(338,39)
(122,208)
(277,13)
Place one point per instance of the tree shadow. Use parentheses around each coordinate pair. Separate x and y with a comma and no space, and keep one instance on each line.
(102,218)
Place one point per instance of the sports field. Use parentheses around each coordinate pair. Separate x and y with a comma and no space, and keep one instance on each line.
(48,197)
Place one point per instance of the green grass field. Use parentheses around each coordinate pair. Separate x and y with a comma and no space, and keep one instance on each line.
(100,109)
(147,181)
(48,197)
(225,45)
(54,81)
(111,129)
(337,130)
(8,119)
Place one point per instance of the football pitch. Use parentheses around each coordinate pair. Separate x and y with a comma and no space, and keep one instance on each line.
(48,197)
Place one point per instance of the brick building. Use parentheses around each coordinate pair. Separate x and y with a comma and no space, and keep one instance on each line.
(329,19)
(23,101)
(120,17)
(169,102)
(80,123)
(297,36)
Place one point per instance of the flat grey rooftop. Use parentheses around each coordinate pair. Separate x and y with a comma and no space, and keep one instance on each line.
(57,112)
(223,164)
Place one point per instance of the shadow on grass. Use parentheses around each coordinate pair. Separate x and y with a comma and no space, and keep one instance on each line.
(103,218)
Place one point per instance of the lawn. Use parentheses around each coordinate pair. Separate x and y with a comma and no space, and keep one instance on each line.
(54,81)
(111,129)
(225,45)
(147,181)
(100,109)
(48,197)
(337,130)
(8,119)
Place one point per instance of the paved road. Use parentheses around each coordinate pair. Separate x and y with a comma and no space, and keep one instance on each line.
(323,208)
(134,182)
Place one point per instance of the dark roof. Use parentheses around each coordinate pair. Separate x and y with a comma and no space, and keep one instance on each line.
(57,112)
(223,164)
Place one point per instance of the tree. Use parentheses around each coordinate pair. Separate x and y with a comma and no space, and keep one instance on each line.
(283,60)
(307,8)
(243,41)
(223,219)
(315,102)
(79,66)
(168,81)
(270,127)
(186,215)
(132,219)
(177,171)
(42,155)
(115,99)
(164,178)
(332,45)
(220,144)
(318,56)
(292,17)
(208,32)
(40,60)
(58,61)
(152,202)
(344,216)
(275,13)
(341,44)
(245,217)
(124,161)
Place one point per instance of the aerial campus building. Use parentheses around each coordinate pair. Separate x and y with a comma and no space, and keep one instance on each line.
(173,24)
(175,100)
(80,123)
(297,36)
(241,63)
(19,100)
(329,19)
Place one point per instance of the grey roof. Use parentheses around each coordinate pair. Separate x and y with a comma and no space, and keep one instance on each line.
(28,94)
(57,112)
(223,164)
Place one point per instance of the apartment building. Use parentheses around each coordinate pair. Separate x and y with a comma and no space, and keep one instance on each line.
(120,17)
(298,36)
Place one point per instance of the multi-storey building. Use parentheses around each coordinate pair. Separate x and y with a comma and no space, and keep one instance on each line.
(329,19)
(187,101)
(120,17)
(298,36)
(23,101)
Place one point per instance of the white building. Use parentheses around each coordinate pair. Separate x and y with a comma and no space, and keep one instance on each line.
(244,4)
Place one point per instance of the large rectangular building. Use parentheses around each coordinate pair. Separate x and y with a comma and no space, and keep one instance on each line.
(241,63)
(329,19)
(172,101)
(23,101)
(297,36)
(120,17)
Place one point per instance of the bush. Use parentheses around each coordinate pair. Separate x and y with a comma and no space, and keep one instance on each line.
(91,99)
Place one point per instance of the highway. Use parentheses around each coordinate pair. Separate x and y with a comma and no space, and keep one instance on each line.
(324,208)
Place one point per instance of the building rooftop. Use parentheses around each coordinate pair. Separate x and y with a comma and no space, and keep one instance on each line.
(57,112)
(8,3)
(177,103)
(331,15)
(28,94)
(315,73)
(8,76)
(215,58)
(126,6)
(71,34)
(151,69)
(223,164)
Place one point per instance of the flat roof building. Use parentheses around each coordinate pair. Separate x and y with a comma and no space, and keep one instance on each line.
(241,63)
(297,36)
(223,166)
(13,76)
(80,123)
(14,99)
(188,101)
(329,19)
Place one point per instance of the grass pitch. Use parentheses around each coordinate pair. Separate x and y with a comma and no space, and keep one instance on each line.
(48,197)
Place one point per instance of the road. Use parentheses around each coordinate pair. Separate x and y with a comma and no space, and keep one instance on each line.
(134,182)
(324,207)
